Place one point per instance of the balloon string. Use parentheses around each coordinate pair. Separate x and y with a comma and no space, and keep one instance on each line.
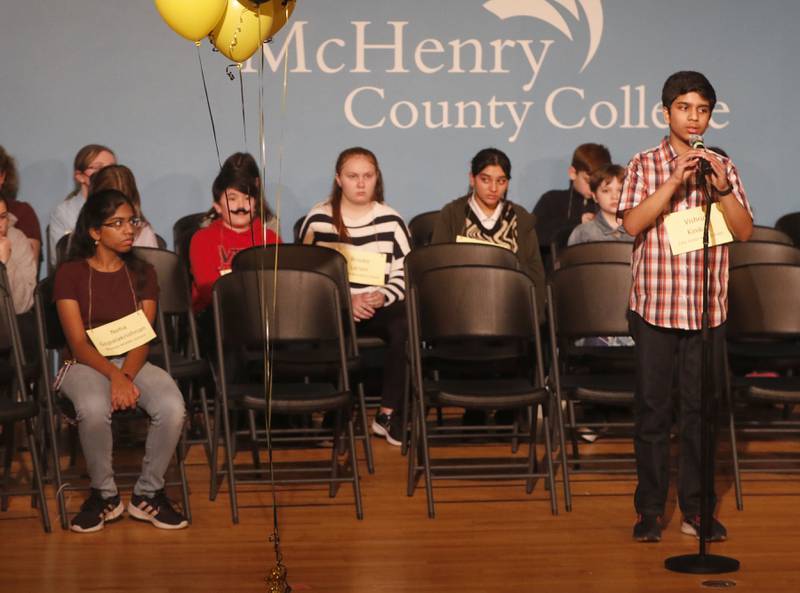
(208,102)
(241,93)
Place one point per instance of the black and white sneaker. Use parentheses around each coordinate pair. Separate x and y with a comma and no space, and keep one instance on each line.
(691,526)
(156,509)
(388,426)
(96,511)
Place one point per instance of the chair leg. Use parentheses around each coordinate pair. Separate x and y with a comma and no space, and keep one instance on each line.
(8,434)
(254,450)
(226,425)
(532,463)
(214,481)
(563,450)
(550,471)
(364,421)
(414,456)
(426,461)
(354,468)
(206,420)
(333,487)
(37,476)
(737,477)
(404,413)
(180,453)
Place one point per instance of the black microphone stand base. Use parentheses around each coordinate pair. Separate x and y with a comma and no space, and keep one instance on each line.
(701,564)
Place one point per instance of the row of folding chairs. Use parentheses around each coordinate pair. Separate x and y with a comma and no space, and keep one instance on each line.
(474,343)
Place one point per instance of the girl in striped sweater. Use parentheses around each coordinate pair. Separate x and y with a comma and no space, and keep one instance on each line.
(356,221)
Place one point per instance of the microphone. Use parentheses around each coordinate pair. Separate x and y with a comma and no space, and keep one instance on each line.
(696,142)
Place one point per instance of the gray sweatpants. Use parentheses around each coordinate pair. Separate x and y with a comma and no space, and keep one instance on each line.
(90,393)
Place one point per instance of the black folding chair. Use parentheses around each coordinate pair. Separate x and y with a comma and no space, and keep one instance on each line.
(334,265)
(762,252)
(763,385)
(17,405)
(267,312)
(476,304)
(594,252)
(178,349)
(790,224)
(768,233)
(587,305)
(421,228)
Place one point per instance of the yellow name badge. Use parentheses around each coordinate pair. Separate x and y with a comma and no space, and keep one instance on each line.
(123,335)
(465,239)
(364,267)
(685,229)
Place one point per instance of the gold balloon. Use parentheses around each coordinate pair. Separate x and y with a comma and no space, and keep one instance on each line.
(192,19)
(281,15)
(237,34)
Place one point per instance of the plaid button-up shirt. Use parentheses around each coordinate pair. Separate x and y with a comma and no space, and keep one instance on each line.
(667,290)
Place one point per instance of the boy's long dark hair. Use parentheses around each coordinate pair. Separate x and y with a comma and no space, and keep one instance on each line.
(98,208)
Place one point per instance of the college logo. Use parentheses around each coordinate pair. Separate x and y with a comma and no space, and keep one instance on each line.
(545,10)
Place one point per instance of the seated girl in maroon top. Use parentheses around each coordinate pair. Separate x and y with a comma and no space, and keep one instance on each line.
(102,282)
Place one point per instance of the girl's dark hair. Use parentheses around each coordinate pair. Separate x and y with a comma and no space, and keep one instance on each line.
(120,178)
(488,157)
(9,167)
(240,172)
(336,191)
(83,159)
(99,207)
(687,81)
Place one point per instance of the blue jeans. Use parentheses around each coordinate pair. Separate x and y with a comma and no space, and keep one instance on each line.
(90,393)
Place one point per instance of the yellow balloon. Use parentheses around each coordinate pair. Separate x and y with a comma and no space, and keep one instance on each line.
(237,34)
(192,19)
(281,15)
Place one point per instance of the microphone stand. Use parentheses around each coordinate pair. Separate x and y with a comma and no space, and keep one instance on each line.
(703,563)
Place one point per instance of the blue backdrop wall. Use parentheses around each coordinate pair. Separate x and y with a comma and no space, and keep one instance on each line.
(423,84)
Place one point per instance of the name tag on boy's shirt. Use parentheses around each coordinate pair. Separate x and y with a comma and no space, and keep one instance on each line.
(123,335)
(685,229)
(364,267)
(465,239)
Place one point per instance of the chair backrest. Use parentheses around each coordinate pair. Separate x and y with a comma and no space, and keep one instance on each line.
(62,249)
(174,292)
(790,224)
(9,331)
(182,232)
(474,302)
(161,242)
(296,257)
(51,335)
(763,301)
(767,233)
(421,228)
(251,307)
(762,252)
(296,228)
(589,300)
(559,240)
(595,252)
(442,255)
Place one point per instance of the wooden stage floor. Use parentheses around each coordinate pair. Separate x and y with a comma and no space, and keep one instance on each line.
(489,537)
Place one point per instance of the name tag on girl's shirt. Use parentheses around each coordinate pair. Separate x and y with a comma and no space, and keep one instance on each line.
(123,335)
(364,267)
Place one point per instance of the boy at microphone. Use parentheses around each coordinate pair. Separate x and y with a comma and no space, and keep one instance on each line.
(666,299)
